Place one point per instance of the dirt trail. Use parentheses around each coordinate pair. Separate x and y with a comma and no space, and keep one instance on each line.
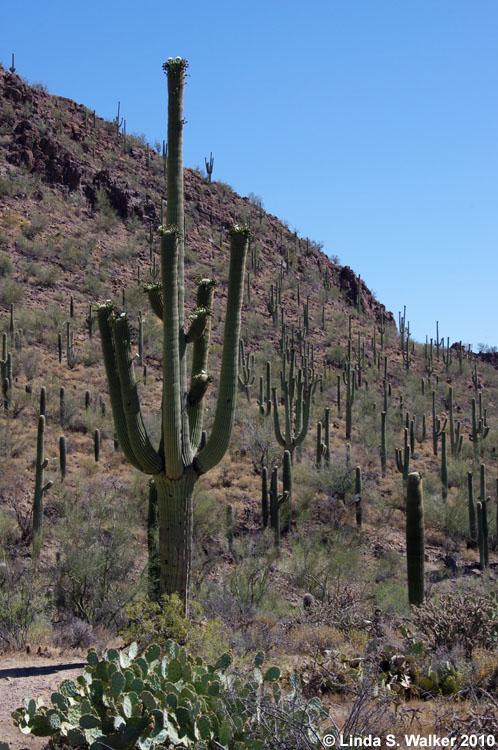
(25,674)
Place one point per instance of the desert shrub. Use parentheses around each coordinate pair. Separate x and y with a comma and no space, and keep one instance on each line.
(107,217)
(150,621)
(36,225)
(248,586)
(466,619)
(259,441)
(5,263)
(22,603)
(7,529)
(10,292)
(450,516)
(31,362)
(13,184)
(39,273)
(74,253)
(90,353)
(93,571)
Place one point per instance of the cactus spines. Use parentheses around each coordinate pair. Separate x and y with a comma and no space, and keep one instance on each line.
(87,400)
(62,456)
(62,405)
(59,347)
(415,547)
(179,462)
(40,488)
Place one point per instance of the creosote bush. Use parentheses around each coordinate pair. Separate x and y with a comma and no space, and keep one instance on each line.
(93,572)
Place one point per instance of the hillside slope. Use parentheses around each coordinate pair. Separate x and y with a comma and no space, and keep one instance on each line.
(79,205)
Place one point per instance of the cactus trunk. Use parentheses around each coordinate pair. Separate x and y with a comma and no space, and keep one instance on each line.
(415,538)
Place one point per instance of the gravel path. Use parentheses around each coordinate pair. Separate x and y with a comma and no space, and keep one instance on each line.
(25,674)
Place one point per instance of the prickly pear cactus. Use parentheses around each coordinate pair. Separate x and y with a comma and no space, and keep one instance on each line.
(158,699)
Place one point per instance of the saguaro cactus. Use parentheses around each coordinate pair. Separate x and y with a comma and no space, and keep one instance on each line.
(40,488)
(415,538)
(179,461)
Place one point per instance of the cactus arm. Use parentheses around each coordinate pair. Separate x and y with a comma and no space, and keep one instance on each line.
(276,423)
(155,295)
(306,417)
(199,322)
(172,407)
(111,370)
(149,460)
(219,439)
(200,351)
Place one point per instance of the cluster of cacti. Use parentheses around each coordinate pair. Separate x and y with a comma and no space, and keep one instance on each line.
(179,461)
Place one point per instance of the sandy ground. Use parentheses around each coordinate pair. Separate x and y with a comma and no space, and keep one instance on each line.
(27,674)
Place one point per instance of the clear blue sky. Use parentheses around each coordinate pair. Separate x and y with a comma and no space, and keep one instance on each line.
(369,125)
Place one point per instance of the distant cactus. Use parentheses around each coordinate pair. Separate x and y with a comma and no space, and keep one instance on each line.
(96,445)
(62,456)
(209,166)
(357,497)
(40,488)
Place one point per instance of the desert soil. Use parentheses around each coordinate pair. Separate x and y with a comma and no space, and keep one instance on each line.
(27,674)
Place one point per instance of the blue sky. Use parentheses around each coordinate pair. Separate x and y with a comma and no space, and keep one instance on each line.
(368,125)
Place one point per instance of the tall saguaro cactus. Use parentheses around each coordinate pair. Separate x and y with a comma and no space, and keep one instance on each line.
(415,548)
(182,456)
